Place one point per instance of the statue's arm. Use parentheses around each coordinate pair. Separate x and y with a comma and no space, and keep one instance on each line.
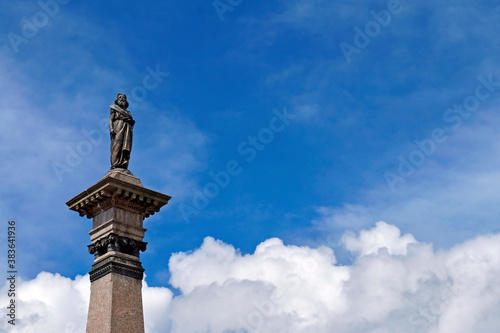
(110,124)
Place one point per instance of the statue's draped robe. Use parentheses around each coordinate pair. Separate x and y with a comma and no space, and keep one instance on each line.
(121,143)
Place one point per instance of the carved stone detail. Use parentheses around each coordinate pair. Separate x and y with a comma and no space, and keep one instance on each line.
(116,243)
(115,192)
(111,265)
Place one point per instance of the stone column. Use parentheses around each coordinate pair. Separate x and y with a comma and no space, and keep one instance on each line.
(118,205)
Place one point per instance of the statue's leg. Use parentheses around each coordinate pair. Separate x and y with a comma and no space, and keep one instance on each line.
(115,154)
(125,159)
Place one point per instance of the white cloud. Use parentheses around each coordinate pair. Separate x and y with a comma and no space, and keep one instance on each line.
(49,303)
(156,301)
(382,236)
(395,285)
(286,277)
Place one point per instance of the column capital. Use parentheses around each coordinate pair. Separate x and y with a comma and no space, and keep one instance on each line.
(119,190)
(117,243)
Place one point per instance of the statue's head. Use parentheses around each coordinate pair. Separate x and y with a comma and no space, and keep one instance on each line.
(121,101)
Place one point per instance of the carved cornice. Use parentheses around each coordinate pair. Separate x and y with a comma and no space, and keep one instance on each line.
(112,192)
(116,243)
(110,265)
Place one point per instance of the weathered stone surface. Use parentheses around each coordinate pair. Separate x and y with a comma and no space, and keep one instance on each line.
(115,305)
(118,221)
(125,175)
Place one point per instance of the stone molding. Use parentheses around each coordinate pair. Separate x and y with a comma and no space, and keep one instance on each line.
(112,265)
(117,227)
(115,192)
(117,243)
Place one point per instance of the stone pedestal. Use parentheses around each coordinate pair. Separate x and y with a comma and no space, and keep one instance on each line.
(118,205)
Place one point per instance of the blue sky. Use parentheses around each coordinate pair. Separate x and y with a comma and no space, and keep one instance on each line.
(388,110)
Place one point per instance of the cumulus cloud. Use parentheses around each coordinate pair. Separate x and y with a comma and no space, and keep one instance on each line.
(49,303)
(156,301)
(382,236)
(395,284)
(274,288)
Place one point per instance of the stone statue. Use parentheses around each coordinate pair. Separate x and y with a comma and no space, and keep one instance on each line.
(120,129)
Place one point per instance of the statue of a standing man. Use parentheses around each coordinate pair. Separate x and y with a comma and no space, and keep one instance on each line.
(120,129)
